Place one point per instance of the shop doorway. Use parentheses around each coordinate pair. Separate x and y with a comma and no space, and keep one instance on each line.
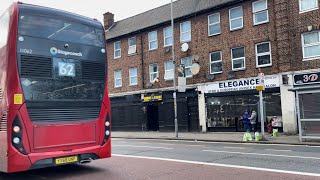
(152,117)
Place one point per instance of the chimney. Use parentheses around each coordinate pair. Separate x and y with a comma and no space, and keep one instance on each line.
(108,19)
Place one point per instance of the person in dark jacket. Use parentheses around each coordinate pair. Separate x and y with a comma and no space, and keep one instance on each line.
(246,121)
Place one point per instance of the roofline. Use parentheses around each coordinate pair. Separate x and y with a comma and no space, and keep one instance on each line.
(169,21)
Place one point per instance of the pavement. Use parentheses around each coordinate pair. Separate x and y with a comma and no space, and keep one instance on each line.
(235,137)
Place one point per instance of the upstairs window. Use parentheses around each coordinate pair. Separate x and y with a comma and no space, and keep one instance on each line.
(117,49)
(185,31)
(168,70)
(153,71)
(308,5)
(238,58)
(132,43)
(133,76)
(167,34)
(260,12)
(214,24)
(187,62)
(311,45)
(118,78)
(215,62)
(263,54)
(153,40)
(236,18)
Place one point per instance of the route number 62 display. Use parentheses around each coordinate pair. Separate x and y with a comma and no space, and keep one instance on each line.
(67,69)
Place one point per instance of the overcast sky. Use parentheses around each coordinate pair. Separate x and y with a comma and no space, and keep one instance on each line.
(96,8)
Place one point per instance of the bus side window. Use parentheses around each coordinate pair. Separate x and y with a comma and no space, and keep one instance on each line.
(4,28)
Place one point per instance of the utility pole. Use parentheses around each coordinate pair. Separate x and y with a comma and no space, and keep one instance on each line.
(260,88)
(174,77)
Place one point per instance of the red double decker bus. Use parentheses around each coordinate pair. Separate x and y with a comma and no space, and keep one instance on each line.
(54,104)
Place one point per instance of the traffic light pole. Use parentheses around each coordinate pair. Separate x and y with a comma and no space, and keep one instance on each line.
(174,77)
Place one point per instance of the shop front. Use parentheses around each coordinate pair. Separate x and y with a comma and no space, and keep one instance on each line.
(227,101)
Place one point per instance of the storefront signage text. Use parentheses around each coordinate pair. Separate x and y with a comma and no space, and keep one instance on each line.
(271,81)
(309,78)
(152,97)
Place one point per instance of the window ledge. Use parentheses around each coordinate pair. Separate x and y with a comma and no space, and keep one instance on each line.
(240,69)
(117,57)
(131,85)
(212,35)
(260,23)
(308,10)
(311,58)
(118,87)
(263,66)
(232,30)
(132,54)
(214,73)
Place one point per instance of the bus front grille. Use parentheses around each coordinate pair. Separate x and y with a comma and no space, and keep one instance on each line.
(3,126)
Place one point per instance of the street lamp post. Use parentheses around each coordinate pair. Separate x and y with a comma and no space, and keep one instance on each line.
(174,77)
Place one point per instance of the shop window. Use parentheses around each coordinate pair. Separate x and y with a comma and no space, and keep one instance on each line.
(153,40)
(260,12)
(133,75)
(185,31)
(118,78)
(308,5)
(187,62)
(238,58)
(168,70)
(153,71)
(263,54)
(236,18)
(132,42)
(117,49)
(215,62)
(311,45)
(167,34)
(214,27)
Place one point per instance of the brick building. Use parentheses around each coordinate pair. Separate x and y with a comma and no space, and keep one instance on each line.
(230,40)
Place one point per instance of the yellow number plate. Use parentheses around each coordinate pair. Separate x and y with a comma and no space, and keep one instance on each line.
(67,160)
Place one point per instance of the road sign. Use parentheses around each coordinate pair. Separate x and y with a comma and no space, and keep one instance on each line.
(182,83)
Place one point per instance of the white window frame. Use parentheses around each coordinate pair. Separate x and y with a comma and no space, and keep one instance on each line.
(136,76)
(115,79)
(114,52)
(187,67)
(166,37)
(188,40)
(314,44)
(214,62)
(150,41)
(214,24)
(307,10)
(254,12)
(132,46)
(244,57)
(234,29)
(151,73)
(165,70)
(263,54)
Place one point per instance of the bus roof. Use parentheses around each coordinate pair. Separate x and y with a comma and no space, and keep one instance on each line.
(60,14)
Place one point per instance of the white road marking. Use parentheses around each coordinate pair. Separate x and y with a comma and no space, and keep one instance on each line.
(280,150)
(151,147)
(258,154)
(227,147)
(221,165)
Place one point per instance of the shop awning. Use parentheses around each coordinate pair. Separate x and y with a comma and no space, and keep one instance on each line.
(302,88)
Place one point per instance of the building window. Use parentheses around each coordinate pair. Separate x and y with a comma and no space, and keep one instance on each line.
(215,62)
(117,49)
(168,70)
(187,62)
(238,58)
(167,34)
(260,12)
(133,76)
(308,5)
(153,70)
(214,24)
(153,40)
(118,78)
(132,42)
(185,31)
(311,45)
(236,18)
(263,54)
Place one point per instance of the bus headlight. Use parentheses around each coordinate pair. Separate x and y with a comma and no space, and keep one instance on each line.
(16,140)
(16,129)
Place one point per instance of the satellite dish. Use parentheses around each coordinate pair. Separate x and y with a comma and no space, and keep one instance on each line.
(184,47)
(211,76)
(195,68)
(231,75)
(195,57)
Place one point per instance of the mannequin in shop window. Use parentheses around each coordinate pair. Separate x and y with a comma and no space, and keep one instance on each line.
(246,121)
(253,120)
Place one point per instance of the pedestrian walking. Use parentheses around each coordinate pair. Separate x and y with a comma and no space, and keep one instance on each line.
(253,120)
(246,121)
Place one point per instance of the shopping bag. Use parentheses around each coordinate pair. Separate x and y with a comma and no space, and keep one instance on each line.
(275,133)
(247,137)
(257,136)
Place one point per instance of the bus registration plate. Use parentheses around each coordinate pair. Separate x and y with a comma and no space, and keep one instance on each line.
(67,160)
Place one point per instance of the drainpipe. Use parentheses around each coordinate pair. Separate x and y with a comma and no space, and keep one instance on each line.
(142,62)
